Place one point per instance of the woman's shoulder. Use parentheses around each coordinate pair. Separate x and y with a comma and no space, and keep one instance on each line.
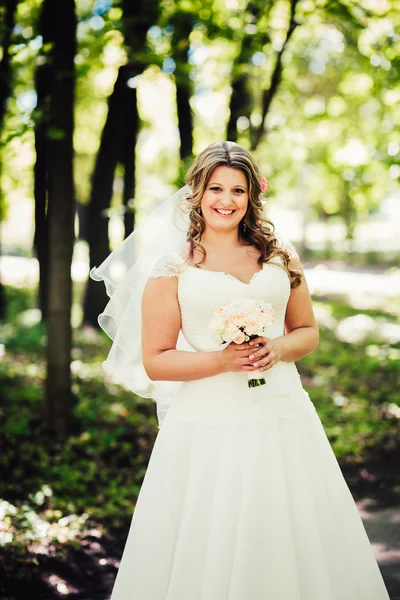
(170,264)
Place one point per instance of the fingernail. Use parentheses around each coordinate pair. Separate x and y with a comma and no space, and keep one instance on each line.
(251,343)
(251,356)
(256,364)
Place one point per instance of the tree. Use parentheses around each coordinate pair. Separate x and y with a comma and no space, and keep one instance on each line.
(182,22)
(117,146)
(44,80)
(60,212)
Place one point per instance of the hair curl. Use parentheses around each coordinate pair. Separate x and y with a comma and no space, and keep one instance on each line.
(259,231)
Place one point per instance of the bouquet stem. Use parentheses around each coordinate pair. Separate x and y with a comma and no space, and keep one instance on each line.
(253,381)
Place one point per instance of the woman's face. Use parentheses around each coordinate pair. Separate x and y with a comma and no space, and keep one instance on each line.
(225,199)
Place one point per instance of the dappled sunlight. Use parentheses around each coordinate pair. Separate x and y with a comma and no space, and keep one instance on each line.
(42,526)
(324,280)
(87,370)
(388,332)
(383,352)
(61,585)
(30,317)
(19,271)
(357,328)
(339,399)
(323,315)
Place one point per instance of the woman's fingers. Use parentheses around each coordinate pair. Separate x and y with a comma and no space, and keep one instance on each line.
(259,356)
(264,348)
(262,352)
(244,346)
(268,362)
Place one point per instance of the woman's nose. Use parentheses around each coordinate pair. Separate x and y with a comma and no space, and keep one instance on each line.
(227,200)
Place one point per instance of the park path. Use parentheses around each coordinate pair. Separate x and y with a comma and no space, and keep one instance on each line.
(383,529)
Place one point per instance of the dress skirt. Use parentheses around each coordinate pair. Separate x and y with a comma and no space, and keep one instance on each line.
(243,499)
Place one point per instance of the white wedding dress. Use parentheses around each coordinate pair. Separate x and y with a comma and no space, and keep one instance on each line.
(243,498)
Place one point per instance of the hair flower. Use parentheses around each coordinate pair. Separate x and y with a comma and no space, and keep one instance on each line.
(264,184)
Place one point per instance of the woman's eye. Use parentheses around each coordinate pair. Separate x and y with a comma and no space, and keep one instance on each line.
(236,190)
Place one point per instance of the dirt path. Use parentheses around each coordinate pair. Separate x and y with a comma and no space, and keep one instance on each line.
(383,529)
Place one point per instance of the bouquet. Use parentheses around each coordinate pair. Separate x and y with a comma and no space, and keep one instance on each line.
(240,321)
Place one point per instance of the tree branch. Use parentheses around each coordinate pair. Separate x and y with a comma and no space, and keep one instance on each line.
(269,94)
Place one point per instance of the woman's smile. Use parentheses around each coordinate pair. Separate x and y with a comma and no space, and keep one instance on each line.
(224,212)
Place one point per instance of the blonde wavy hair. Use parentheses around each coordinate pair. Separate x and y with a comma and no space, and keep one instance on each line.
(254,229)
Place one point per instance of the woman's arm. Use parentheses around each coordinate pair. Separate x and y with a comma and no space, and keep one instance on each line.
(161,323)
(302,334)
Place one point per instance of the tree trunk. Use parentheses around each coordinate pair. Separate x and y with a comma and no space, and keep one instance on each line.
(44,82)
(8,23)
(239,105)
(117,145)
(183,22)
(44,76)
(102,191)
(241,101)
(185,118)
(128,145)
(60,217)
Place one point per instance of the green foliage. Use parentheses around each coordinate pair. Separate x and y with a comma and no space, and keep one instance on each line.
(98,471)
(332,121)
(18,301)
(354,390)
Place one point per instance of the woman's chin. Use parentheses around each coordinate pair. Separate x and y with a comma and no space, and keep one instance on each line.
(222,225)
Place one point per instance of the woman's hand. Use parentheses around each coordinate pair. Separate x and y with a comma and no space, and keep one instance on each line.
(268,353)
(262,354)
(235,357)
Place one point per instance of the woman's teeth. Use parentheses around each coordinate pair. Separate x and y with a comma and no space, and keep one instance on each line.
(224,212)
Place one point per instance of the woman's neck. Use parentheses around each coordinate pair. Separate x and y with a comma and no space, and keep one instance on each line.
(222,241)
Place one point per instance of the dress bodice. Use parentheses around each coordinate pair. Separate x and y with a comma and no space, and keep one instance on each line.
(201,292)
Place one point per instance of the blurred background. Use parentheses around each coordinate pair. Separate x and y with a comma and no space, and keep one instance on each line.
(103,105)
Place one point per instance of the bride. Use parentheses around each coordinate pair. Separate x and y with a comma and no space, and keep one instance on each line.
(243,498)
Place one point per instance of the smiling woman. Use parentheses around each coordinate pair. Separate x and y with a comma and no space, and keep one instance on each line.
(227,198)
(243,497)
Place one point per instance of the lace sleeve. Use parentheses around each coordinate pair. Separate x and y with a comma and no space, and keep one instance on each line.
(169,265)
(287,245)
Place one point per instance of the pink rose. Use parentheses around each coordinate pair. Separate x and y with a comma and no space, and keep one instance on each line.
(264,184)
(239,338)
